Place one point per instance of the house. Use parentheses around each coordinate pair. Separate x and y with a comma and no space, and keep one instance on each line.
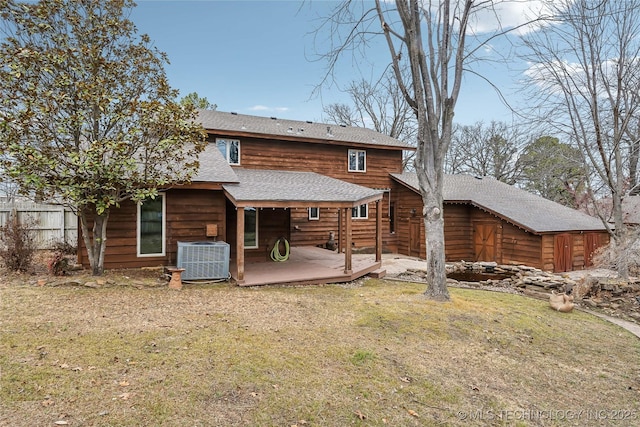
(487,220)
(263,178)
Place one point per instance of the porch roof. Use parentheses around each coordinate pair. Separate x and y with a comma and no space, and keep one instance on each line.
(271,188)
(519,207)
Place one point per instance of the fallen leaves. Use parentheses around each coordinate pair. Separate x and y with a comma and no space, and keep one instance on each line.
(413,413)
(48,401)
(360,415)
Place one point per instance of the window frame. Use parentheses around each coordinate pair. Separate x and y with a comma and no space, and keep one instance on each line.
(244,234)
(358,212)
(315,217)
(227,153)
(139,254)
(364,165)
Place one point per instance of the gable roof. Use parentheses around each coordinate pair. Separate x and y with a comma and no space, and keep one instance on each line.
(270,188)
(519,207)
(269,127)
(213,167)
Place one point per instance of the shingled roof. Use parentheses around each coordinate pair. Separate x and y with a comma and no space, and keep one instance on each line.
(214,167)
(262,188)
(519,207)
(270,127)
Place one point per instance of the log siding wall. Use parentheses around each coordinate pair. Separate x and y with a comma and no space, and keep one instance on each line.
(330,160)
(513,244)
(187,214)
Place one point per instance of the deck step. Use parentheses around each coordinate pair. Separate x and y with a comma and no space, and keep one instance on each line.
(378,274)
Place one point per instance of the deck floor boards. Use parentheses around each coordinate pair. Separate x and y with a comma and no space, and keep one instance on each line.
(307,265)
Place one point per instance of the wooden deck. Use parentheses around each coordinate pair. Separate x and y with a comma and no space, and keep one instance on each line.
(307,265)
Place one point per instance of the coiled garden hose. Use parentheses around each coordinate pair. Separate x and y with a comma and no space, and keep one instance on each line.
(275,252)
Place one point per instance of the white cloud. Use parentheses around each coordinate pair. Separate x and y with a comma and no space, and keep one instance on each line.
(264,108)
(510,14)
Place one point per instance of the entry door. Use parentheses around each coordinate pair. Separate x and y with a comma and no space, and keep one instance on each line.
(414,237)
(484,241)
(562,259)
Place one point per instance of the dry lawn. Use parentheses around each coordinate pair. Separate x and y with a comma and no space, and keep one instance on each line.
(373,353)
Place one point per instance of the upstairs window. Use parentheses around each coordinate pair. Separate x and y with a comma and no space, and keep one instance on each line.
(361,212)
(230,149)
(357,161)
(314,214)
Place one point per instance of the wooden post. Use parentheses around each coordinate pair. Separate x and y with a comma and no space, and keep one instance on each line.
(379,231)
(347,245)
(240,245)
(340,232)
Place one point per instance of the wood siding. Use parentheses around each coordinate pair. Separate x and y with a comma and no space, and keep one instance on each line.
(408,210)
(187,214)
(579,253)
(513,245)
(520,246)
(458,232)
(332,161)
(329,160)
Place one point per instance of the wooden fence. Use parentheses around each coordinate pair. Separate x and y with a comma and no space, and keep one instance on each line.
(50,223)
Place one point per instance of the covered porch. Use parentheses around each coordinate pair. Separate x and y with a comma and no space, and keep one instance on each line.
(264,189)
(307,265)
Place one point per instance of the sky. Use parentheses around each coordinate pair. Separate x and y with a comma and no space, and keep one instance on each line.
(261,58)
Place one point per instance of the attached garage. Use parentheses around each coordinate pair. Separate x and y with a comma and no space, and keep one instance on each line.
(487,220)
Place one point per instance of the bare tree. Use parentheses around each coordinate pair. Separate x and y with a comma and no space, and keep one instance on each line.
(380,106)
(586,74)
(434,41)
(439,44)
(486,150)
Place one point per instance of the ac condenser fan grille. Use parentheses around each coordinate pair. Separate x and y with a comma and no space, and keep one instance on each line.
(203,260)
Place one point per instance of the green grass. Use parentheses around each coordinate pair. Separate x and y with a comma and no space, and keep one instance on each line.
(372,355)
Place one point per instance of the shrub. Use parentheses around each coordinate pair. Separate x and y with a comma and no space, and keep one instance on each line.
(17,244)
(64,247)
(621,255)
(58,264)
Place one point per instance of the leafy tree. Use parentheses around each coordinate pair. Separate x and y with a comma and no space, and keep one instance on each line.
(554,170)
(194,100)
(87,114)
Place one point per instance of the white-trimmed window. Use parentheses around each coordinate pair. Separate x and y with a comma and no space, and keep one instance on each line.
(151,227)
(357,161)
(361,212)
(230,149)
(314,214)
(250,228)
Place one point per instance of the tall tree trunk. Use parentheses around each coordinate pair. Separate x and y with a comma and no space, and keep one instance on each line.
(95,241)
(434,237)
(429,169)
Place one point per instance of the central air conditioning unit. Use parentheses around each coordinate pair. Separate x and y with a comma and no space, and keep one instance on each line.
(203,260)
